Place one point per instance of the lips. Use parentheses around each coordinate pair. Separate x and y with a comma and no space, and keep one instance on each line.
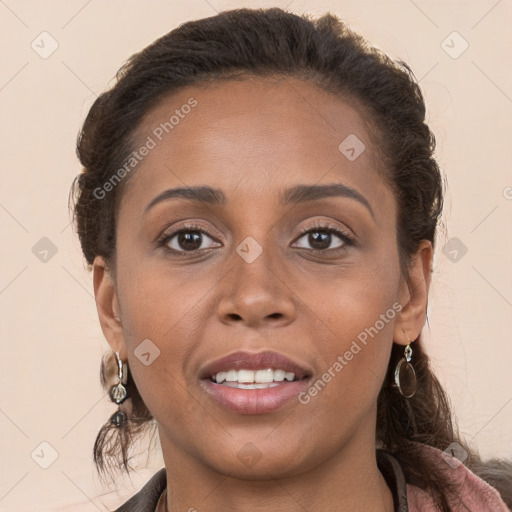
(255,398)
(255,361)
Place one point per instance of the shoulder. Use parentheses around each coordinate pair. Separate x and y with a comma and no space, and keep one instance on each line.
(147,498)
(473,493)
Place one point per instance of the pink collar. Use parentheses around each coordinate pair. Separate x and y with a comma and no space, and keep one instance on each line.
(474,495)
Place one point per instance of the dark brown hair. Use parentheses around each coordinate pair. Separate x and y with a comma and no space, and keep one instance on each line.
(324,51)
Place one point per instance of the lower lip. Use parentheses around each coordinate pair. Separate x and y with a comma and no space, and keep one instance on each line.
(254,401)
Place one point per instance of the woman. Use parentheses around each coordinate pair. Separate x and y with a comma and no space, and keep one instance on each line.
(258,205)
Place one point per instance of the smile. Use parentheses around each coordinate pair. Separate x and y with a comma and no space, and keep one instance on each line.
(254,383)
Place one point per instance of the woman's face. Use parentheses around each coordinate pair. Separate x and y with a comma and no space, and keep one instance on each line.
(272,261)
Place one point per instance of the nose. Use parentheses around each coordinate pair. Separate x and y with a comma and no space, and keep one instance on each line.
(256,294)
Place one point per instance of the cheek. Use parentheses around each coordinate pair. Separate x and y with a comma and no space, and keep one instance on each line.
(356,360)
(161,322)
(159,299)
(360,310)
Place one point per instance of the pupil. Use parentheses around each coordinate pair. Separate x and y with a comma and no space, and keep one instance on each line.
(322,239)
(189,240)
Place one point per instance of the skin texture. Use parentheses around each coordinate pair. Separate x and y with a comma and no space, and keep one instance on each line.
(253,139)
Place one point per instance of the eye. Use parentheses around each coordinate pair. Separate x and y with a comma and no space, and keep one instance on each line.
(188,238)
(321,237)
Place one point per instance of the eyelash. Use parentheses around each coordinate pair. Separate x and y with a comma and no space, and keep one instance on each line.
(347,239)
(166,237)
(326,227)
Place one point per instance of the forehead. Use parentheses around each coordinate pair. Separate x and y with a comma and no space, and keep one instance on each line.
(254,136)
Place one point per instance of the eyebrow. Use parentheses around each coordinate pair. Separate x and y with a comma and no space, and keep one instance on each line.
(296,194)
(201,194)
(304,193)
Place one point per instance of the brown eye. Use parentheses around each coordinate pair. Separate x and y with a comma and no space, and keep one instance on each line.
(188,240)
(322,239)
(319,240)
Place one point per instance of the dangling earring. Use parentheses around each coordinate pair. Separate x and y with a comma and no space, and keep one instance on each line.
(405,376)
(118,394)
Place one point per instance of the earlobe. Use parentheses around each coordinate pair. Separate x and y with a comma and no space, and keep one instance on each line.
(414,296)
(107,305)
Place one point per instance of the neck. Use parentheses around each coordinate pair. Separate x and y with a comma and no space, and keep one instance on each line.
(349,480)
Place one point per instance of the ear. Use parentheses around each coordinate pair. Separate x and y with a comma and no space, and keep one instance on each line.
(414,296)
(107,306)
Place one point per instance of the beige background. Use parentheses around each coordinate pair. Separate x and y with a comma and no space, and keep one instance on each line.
(51,339)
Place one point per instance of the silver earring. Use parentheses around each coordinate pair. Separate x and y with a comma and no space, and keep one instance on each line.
(405,376)
(118,394)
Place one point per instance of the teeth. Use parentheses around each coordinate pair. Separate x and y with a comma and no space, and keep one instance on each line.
(279,375)
(246,376)
(262,376)
(266,376)
(231,376)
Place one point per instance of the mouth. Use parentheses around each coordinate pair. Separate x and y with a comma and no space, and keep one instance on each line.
(254,383)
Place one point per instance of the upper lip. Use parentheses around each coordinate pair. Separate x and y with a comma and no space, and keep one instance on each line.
(254,361)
